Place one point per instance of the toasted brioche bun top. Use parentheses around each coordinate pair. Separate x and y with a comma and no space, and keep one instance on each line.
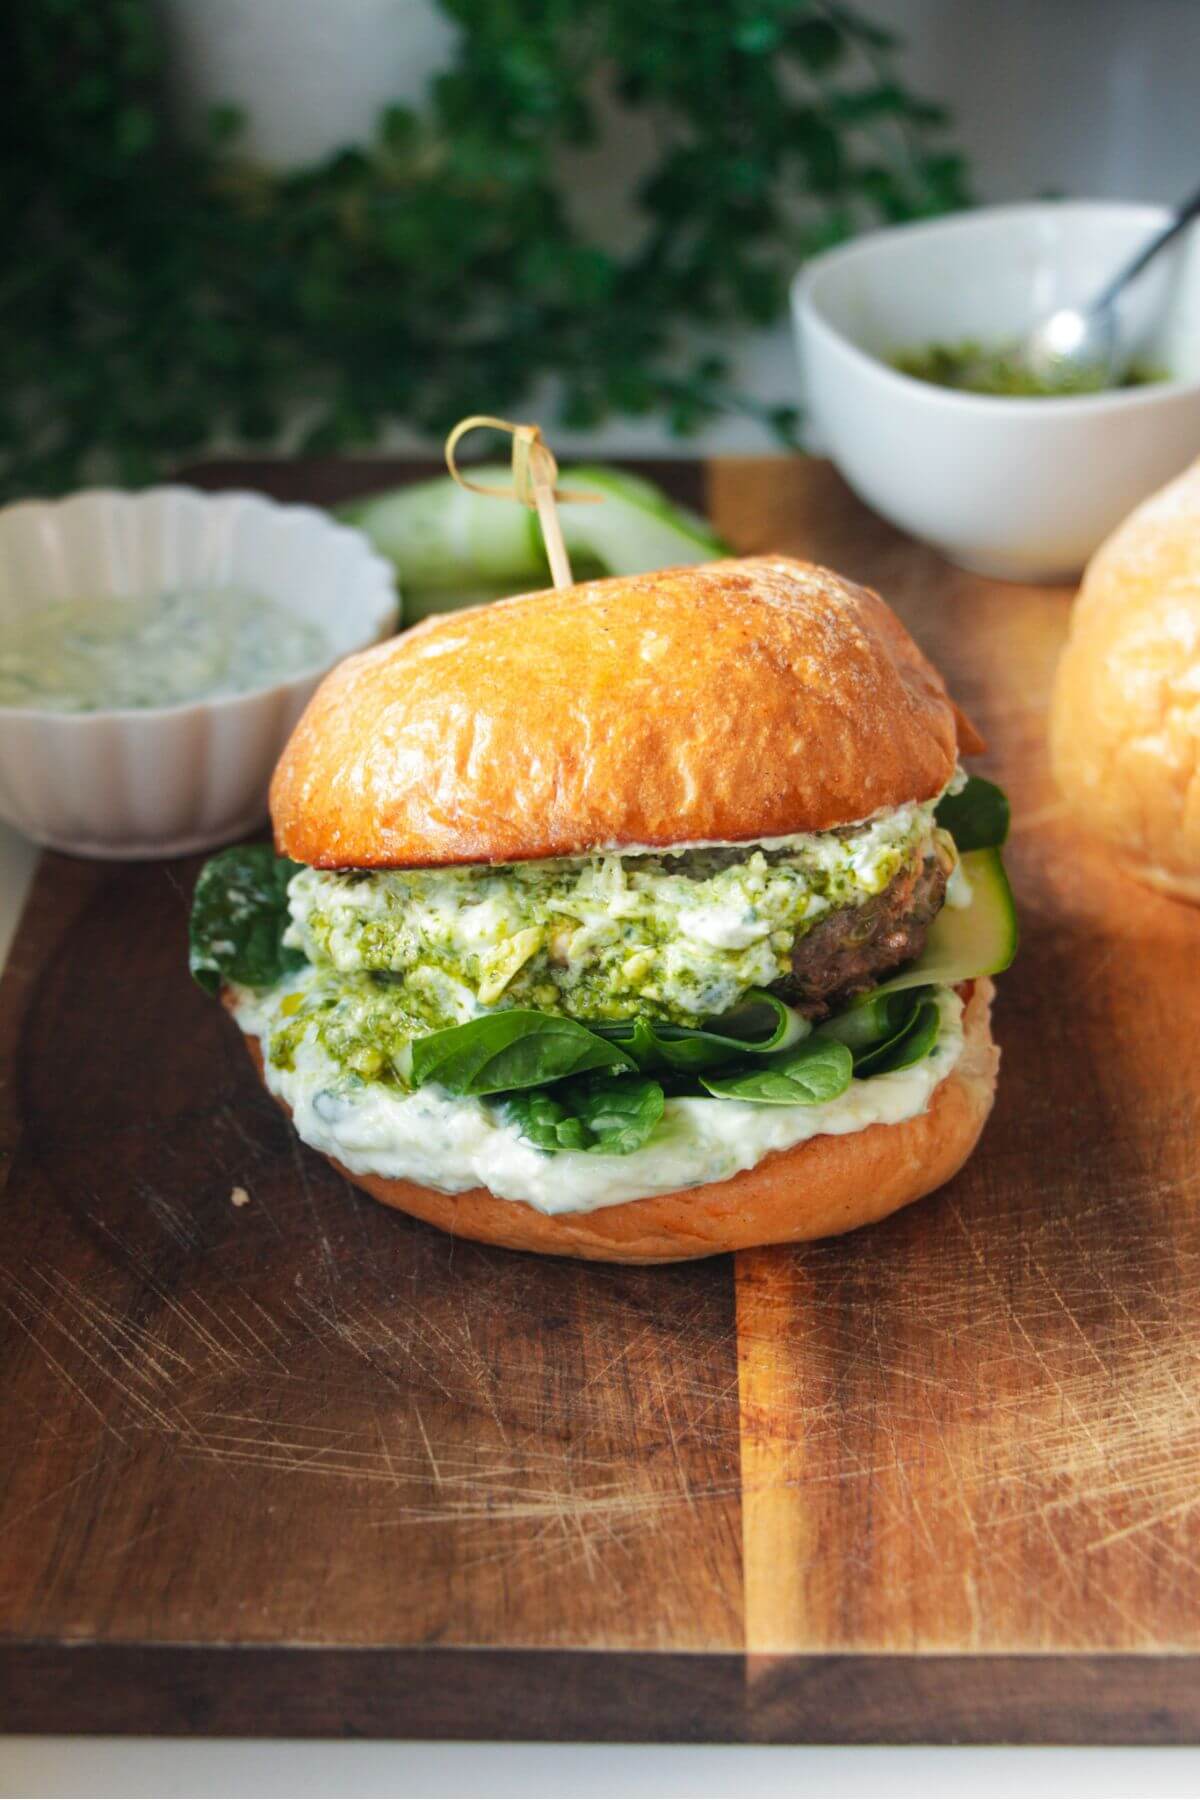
(732,702)
(1125,722)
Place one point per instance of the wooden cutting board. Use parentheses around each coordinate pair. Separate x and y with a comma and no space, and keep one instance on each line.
(301,1465)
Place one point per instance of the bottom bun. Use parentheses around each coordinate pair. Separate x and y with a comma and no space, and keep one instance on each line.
(817,1189)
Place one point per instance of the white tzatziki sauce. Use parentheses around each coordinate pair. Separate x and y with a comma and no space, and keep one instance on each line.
(114,653)
(431,1137)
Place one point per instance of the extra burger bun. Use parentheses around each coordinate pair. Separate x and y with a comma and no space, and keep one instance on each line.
(732,702)
(1125,722)
(825,1186)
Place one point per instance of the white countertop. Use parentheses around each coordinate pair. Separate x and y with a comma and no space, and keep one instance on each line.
(138,1766)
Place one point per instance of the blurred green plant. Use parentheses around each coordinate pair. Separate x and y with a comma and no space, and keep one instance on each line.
(155,294)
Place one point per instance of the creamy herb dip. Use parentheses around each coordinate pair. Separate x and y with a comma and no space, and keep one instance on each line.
(193,643)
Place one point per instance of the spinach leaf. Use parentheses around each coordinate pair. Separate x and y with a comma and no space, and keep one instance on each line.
(875,1020)
(874,1024)
(887,1031)
(977,818)
(239,915)
(909,1046)
(548,1123)
(759,1025)
(620,1113)
(611,1115)
(814,1070)
(517,1049)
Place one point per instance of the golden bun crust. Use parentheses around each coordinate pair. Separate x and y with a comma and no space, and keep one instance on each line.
(819,1189)
(1125,718)
(735,701)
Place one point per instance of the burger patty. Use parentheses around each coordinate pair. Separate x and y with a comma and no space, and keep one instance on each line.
(853,948)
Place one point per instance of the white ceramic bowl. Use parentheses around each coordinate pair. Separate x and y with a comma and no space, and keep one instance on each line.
(169,780)
(1020,488)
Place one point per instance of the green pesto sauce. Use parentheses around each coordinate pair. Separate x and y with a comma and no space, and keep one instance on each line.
(678,937)
(978,369)
(365,1022)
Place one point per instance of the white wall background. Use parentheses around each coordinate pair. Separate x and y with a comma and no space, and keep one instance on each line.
(1096,98)
(1085,97)
(1088,96)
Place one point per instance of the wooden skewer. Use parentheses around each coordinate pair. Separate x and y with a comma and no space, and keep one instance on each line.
(547,512)
(535,473)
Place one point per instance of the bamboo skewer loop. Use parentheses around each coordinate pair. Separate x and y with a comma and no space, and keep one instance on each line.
(535,473)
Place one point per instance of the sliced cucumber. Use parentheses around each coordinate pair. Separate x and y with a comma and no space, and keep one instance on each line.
(963,942)
(450,548)
(440,536)
(634,527)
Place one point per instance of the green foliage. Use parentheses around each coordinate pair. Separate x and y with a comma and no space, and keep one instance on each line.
(155,294)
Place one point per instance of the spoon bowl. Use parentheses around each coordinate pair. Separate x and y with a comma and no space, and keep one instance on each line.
(1075,350)
(1079,347)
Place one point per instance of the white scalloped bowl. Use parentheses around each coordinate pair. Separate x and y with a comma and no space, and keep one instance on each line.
(169,780)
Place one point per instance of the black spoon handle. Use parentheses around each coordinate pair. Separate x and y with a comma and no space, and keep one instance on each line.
(1187,212)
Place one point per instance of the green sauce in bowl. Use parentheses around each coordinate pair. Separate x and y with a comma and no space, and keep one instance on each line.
(979,369)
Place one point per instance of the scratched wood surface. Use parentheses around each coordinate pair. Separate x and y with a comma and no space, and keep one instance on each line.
(302,1465)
